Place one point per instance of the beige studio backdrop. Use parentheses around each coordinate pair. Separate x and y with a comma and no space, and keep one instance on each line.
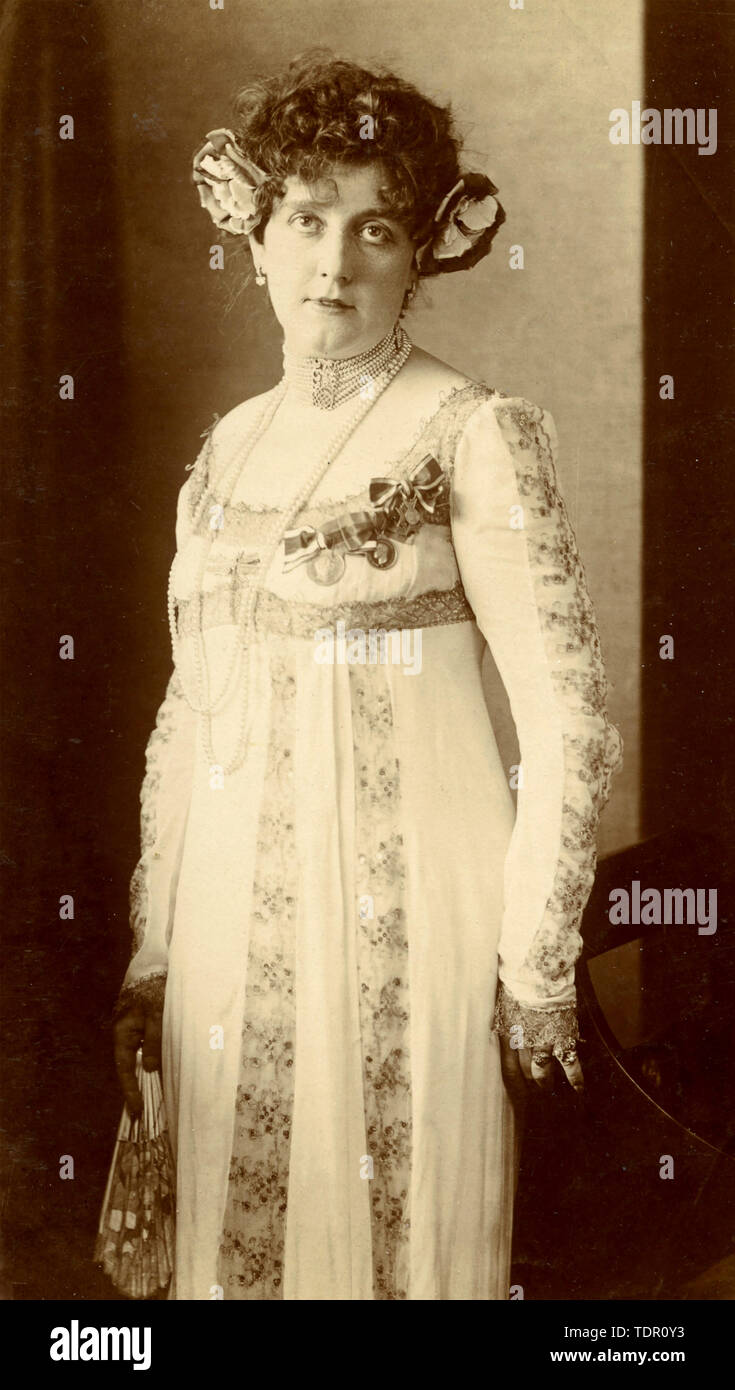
(532,89)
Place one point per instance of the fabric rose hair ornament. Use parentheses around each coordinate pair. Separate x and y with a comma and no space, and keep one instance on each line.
(227,182)
(466,221)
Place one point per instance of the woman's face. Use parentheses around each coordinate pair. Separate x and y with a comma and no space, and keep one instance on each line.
(345,249)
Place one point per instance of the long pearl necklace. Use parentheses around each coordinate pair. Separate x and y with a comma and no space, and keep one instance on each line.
(201,701)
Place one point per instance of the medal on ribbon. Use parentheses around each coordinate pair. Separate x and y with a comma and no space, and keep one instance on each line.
(323,551)
(327,567)
(401,506)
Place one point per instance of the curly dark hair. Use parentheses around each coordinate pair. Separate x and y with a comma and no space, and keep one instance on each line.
(313,114)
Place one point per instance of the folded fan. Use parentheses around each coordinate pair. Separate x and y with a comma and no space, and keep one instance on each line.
(135,1240)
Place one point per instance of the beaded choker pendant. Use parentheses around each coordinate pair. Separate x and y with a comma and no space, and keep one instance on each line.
(326,382)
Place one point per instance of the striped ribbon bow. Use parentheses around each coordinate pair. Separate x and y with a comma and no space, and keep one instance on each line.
(353,531)
(400,500)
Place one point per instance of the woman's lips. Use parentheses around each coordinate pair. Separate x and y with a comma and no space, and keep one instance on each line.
(330,306)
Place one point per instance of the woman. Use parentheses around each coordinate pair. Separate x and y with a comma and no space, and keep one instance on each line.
(333,887)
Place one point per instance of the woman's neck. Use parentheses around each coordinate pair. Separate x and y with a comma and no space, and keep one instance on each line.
(327,382)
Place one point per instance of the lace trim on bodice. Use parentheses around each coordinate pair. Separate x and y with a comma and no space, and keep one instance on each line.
(437,434)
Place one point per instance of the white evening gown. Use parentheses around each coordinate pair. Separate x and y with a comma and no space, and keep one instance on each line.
(331,920)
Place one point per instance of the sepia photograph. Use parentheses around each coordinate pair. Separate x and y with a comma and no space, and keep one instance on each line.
(368,771)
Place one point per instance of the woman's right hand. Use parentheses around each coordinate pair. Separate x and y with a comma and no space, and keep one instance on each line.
(140,1024)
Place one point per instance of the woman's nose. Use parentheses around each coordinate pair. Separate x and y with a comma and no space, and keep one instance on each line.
(335,256)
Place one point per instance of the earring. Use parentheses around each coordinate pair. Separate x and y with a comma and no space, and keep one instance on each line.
(407,298)
(259,276)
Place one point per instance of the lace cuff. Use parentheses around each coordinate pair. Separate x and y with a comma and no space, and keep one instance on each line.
(148,993)
(539,1027)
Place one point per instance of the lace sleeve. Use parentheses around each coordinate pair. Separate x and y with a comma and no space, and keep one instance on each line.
(524,580)
(165,796)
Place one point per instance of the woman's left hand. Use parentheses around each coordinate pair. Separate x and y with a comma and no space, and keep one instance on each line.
(536,1064)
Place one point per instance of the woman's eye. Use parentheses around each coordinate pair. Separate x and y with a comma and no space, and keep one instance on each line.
(383,233)
(304,217)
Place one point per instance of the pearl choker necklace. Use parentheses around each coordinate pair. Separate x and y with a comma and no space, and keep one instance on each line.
(327,382)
